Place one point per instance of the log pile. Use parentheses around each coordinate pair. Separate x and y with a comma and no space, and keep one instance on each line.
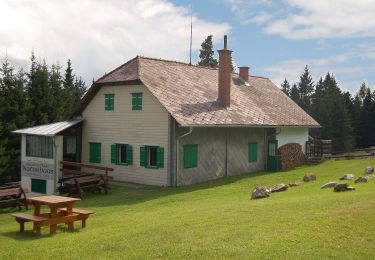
(291,155)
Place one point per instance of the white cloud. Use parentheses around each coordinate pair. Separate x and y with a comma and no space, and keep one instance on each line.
(325,19)
(316,19)
(99,35)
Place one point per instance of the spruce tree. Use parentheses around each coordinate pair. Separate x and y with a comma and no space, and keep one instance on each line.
(13,115)
(69,92)
(285,87)
(206,54)
(306,89)
(294,94)
(39,92)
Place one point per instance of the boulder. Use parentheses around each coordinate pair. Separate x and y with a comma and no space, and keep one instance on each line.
(347,177)
(260,192)
(369,169)
(279,187)
(343,187)
(362,179)
(330,184)
(294,183)
(309,177)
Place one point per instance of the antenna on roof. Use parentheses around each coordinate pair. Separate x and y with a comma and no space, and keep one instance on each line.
(191,32)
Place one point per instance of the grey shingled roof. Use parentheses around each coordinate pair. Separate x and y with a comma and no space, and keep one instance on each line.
(189,93)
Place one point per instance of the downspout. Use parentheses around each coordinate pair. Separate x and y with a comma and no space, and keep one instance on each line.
(178,154)
(56,165)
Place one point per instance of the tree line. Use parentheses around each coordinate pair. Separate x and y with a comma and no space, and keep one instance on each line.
(348,120)
(42,95)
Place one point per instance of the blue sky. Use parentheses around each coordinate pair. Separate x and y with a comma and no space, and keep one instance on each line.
(344,49)
(275,38)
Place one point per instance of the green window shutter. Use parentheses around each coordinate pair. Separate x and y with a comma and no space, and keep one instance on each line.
(142,156)
(95,153)
(137,101)
(109,102)
(190,156)
(114,153)
(194,156)
(129,154)
(106,102)
(253,152)
(160,157)
(186,156)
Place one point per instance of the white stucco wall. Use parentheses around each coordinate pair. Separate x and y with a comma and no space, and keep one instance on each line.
(293,135)
(42,163)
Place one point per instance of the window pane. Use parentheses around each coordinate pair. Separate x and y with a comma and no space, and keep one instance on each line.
(121,153)
(152,156)
(39,146)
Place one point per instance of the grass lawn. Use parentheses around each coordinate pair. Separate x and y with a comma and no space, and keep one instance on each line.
(216,219)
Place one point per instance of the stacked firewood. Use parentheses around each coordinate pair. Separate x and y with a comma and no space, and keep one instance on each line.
(291,155)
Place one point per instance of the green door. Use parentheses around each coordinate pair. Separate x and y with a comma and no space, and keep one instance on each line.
(272,162)
(39,186)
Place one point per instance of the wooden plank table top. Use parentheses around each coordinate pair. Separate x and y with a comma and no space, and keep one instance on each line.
(52,200)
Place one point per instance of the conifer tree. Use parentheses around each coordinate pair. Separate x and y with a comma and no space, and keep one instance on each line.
(305,89)
(285,87)
(206,54)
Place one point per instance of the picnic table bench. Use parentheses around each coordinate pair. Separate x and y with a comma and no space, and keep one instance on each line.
(13,196)
(79,185)
(61,211)
(79,180)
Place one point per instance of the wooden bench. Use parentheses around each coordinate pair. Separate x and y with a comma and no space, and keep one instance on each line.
(22,218)
(79,185)
(11,197)
(84,214)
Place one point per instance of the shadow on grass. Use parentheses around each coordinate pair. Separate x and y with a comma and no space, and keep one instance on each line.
(30,235)
(120,195)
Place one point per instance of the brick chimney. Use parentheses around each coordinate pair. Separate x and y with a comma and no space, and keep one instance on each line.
(244,73)
(225,74)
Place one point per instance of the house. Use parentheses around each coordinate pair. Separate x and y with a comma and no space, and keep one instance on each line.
(169,123)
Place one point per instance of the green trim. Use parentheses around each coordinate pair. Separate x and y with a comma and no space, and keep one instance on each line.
(253,152)
(109,102)
(190,156)
(137,101)
(144,153)
(39,186)
(95,152)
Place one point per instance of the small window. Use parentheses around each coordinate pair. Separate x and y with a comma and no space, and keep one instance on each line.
(190,156)
(152,156)
(136,101)
(109,102)
(39,146)
(121,154)
(95,152)
(253,152)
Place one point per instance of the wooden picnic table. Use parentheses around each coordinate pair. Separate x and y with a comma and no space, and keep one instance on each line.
(54,217)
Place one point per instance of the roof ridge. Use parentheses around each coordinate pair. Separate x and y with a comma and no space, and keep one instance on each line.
(194,65)
(179,62)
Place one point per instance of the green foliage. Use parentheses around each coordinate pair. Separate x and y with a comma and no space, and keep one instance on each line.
(206,54)
(285,87)
(38,97)
(214,220)
(330,109)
